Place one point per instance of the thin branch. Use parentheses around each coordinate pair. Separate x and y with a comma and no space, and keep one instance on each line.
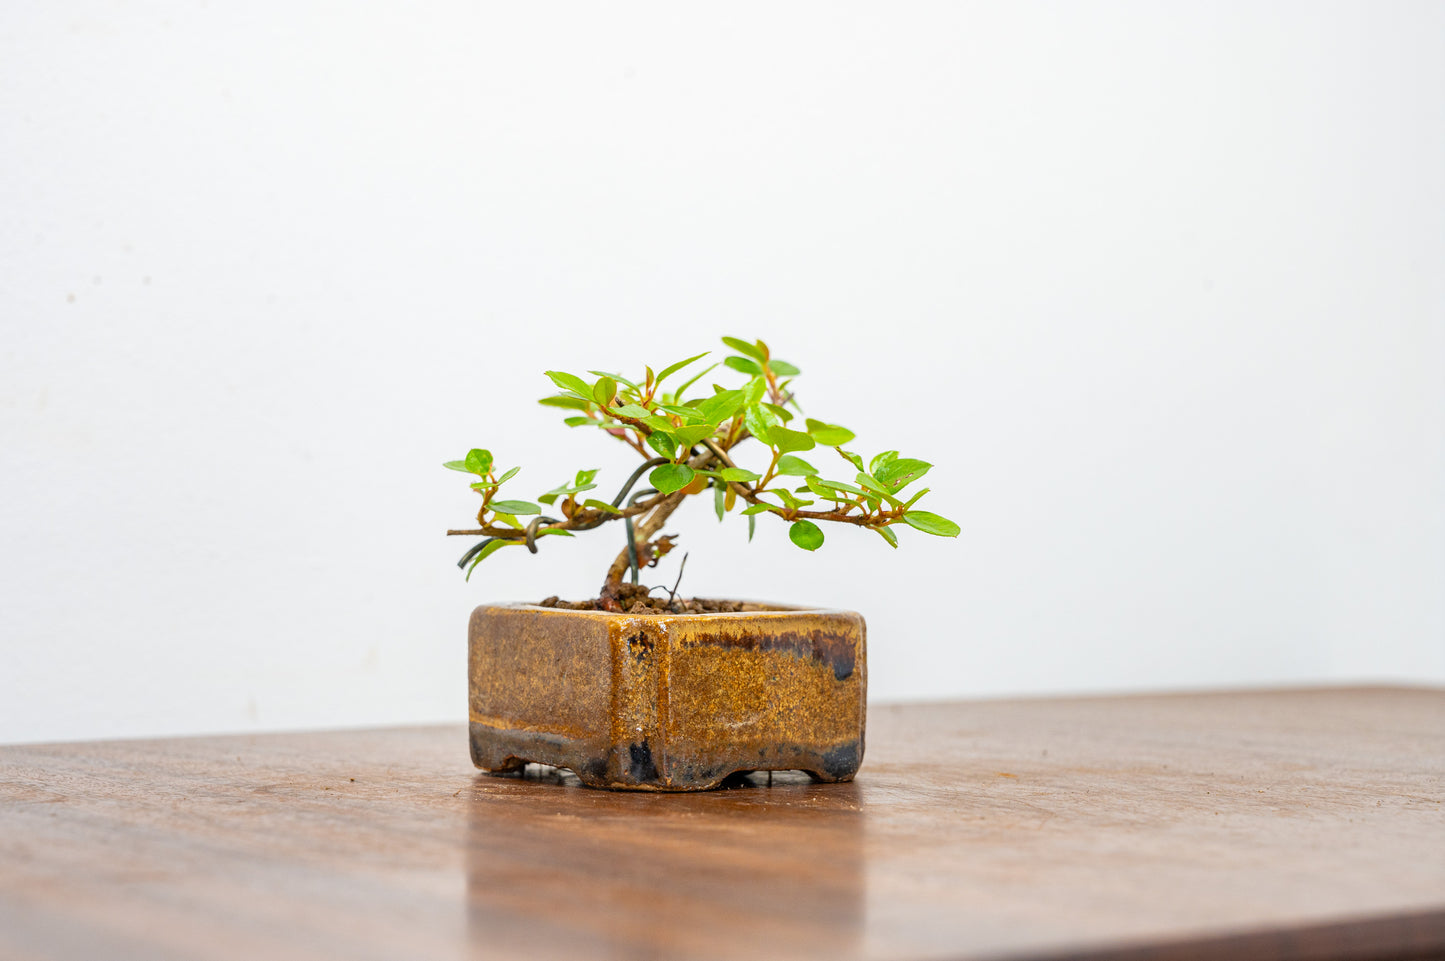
(672,594)
(633,422)
(750,494)
(584,521)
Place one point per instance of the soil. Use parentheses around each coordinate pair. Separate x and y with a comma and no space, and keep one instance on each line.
(636,599)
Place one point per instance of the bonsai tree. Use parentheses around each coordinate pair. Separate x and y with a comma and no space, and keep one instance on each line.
(691,441)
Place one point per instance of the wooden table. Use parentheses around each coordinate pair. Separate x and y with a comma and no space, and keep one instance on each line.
(1303,824)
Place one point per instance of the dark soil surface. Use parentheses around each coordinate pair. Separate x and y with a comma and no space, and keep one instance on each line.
(636,599)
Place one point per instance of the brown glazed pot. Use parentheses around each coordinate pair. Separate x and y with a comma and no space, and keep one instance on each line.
(667,702)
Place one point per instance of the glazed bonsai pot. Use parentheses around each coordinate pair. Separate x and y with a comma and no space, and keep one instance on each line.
(667,702)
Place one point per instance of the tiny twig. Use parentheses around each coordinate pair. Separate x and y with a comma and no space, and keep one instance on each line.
(672,594)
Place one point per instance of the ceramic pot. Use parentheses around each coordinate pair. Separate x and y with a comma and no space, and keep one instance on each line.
(667,702)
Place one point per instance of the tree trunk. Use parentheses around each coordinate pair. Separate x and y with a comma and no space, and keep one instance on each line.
(642,537)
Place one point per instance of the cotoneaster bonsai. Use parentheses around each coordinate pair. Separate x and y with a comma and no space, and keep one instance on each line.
(638,691)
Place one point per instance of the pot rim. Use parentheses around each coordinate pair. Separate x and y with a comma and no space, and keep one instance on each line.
(763,608)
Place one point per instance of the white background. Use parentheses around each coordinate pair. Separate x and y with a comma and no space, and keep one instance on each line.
(1157,287)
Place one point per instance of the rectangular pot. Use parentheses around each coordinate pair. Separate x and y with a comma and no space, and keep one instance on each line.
(670,702)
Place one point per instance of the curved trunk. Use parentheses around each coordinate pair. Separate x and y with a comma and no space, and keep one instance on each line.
(642,537)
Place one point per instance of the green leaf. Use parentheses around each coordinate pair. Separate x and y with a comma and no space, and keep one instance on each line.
(692,435)
(635,411)
(617,377)
(752,526)
(879,462)
(515,507)
(662,442)
(602,506)
(788,497)
(578,421)
(758,508)
(719,500)
(875,486)
(743,364)
(604,390)
(486,552)
(759,423)
(571,382)
(460,465)
(931,523)
(695,377)
(781,413)
(486,485)
(755,390)
(914,499)
(583,482)
(806,535)
(783,369)
(791,466)
(902,471)
(670,478)
(690,414)
(829,435)
(837,486)
(888,536)
(852,458)
(566,400)
(824,489)
(743,347)
(478,461)
(737,475)
(720,407)
(674,368)
(790,440)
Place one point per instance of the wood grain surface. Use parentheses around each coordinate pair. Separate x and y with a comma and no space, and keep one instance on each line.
(1299,825)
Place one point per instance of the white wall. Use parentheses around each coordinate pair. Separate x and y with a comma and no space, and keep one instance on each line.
(1158,287)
